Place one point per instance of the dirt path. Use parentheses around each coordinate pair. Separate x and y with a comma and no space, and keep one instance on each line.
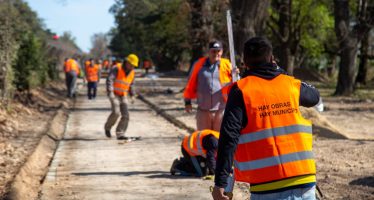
(89,166)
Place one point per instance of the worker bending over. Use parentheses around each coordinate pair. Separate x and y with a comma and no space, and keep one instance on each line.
(206,80)
(199,151)
(264,129)
(119,85)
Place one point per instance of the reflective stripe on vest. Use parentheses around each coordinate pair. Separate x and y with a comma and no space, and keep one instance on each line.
(276,143)
(225,78)
(122,83)
(193,143)
(272,161)
(272,132)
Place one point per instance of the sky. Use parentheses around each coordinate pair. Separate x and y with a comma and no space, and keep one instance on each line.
(83,18)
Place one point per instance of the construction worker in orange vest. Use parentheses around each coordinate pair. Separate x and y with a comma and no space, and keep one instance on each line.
(264,129)
(106,64)
(71,69)
(93,74)
(206,80)
(119,85)
(199,151)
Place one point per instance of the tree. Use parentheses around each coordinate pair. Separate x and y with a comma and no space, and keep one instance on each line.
(299,30)
(349,39)
(201,27)
(29,67)
(364,61)
(151,28)
(8,48)
(248,20)
(100,44)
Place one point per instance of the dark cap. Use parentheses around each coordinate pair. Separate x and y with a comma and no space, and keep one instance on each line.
(215,45)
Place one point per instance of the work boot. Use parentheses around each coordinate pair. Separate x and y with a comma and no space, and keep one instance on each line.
(107,133)
(173,170)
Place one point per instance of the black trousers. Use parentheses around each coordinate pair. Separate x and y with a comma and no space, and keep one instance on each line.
(186,164)
(91,90)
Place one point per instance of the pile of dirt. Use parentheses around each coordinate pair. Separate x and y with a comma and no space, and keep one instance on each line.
(23,122)
(321,125)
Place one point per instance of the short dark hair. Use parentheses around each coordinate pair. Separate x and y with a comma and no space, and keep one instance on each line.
(257,50)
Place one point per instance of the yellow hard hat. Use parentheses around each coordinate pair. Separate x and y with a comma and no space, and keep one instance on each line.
(133,60)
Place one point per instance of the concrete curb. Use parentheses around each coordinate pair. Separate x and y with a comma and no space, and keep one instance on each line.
(28,180)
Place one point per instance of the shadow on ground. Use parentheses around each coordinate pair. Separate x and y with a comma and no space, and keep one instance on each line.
(152,174)
(365,181)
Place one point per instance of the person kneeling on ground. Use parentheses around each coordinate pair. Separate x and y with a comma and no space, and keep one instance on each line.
(199,151)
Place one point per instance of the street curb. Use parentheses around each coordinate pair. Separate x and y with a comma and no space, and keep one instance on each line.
(28,180)
(165,115)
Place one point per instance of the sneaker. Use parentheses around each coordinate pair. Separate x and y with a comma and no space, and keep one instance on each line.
(107,133)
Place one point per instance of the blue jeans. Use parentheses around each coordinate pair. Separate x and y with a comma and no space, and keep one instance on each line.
(91,90)
(292,194)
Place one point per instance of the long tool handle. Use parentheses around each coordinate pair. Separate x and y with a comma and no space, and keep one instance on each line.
(231,45)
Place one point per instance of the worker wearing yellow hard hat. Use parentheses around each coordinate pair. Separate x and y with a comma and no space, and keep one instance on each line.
(120,85)
(133,60)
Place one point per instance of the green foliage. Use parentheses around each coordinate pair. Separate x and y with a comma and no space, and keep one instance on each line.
(151,28)
(26,60)
(311,29)
(29,67)
(318,28)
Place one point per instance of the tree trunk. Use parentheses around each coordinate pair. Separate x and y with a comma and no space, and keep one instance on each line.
(363,67)
(286,57)
(201,31)
(249,20)
(348,42)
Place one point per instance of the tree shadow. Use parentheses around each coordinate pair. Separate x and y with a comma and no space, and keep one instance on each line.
(365,181)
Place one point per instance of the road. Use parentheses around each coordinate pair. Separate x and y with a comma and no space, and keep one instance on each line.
(87,165)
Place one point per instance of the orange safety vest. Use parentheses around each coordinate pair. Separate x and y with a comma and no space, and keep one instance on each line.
(276,144)
(92,73)
(71,65)
(193,143)
(190,92)
(123,82)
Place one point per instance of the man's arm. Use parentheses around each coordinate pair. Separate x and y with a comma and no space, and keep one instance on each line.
(233,121)
(132,90)
(210,143)
(110,80)
(99,74)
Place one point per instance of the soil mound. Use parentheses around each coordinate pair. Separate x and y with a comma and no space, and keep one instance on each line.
(321,126)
